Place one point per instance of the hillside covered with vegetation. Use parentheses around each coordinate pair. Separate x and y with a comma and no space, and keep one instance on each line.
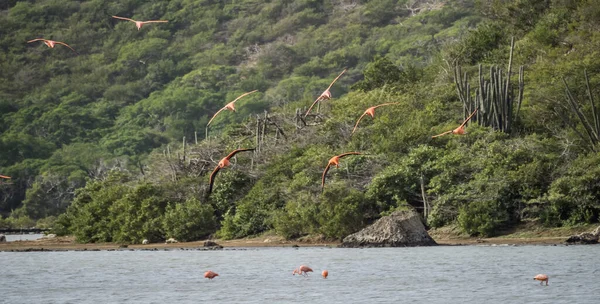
(110,144)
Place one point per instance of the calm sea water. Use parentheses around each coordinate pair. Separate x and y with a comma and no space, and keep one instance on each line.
(469,274)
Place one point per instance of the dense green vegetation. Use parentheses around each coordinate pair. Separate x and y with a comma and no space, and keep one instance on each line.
(109,145)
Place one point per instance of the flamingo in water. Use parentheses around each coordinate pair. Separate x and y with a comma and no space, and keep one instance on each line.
(210,275)
(371,112)
(334,161)
(325,273)
(52,43)
(326,94)
(542,278)
(460,130)
(302,270)
(139,24)
(230,106)
(222,164)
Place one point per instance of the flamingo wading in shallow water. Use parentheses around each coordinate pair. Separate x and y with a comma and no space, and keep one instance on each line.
(326,94)
(210,275)
(371,112)
(460,130)
(230,106)
(52,43)
(302,270)
(334,161)
(222,164)
(542,278)
(139,24)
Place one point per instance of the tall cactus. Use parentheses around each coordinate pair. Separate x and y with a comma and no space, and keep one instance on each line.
(591,128)
(494,98)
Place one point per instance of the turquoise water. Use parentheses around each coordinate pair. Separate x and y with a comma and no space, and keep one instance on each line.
(444,274)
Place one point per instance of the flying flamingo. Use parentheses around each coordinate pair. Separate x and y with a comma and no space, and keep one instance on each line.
(335,161)
(52,43)
(460,130)
(302,270)
(371,112)
(326,94)
(222,164)
(210,275)
(325,273)
(542,278)
(139,24)
(230,106)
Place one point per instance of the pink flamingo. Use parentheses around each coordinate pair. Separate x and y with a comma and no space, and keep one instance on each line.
(4,176)
(371,112)
(326,95)
(302,270)
(222,164)
(52,43)
(334,161)
(542,278)
(325,274)
(139,24)
(210,275)
(230,106)
(460,130)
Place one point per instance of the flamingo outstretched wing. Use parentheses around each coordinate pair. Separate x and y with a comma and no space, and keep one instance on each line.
(311,106)
(34,40)
(237,151)
(212,179)
(223,108)
(348,153)
(468,118)
(338,77)
(442,134)
(356,125)
(4,176)
(155,21)
(123,18)
(247,93)
(323,177)
(58,42)
(329,87)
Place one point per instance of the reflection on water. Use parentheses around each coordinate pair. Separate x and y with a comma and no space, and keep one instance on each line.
(470,274)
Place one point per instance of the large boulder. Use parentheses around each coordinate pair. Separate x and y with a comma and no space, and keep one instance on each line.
(583,238)
(400,229)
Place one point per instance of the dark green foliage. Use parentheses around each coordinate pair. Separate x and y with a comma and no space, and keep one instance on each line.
(189,221)
(575,197)
(383,73)
(482,218)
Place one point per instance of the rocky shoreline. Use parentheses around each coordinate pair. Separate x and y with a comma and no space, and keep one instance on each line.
(69,244)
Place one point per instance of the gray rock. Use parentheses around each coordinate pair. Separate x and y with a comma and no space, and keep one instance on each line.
(211,244)
(400,229)
(583,238)
(2,238)
(597,231)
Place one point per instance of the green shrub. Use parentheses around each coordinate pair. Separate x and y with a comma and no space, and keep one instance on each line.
(189,221)
(482,218)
